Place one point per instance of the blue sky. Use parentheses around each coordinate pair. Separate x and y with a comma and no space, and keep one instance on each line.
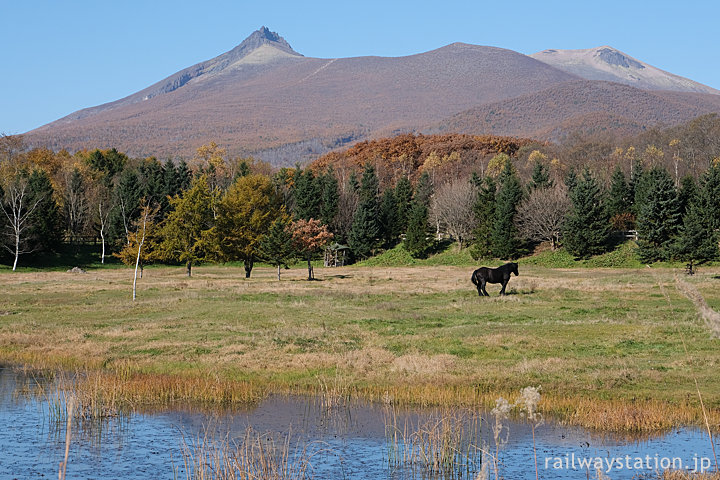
(61,56)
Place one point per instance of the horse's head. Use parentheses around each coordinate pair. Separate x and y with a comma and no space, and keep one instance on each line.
(514,268)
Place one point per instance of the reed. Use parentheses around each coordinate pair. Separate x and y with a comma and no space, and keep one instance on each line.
(443,444)
(253,456)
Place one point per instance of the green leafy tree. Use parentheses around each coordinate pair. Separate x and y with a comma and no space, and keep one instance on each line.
(365,228)
(658,216)
(485,217)
(587,227)
(277,246)
(245,214)
(504,236)
(186,232)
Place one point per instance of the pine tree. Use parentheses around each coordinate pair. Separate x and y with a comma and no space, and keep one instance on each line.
(658,216)
(184,176)
(638,186)
(403,198)
(697,242)
(710,195)
(45,220)
(587,227)
(485,216)
(330,197)
(277,246)
(126,201)
(365,228)
(388,218)
(423,190)
(307,194)
(618,200)
(416,238)
(571,179)
(540,177)
(504,236)
(687,194)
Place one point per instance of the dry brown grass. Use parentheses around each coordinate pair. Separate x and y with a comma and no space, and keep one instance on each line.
(602,343)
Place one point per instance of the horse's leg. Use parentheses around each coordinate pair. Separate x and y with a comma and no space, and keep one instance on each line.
(484,282)
(478,284)
(504,284)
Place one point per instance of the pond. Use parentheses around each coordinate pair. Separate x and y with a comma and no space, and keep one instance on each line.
(345,441)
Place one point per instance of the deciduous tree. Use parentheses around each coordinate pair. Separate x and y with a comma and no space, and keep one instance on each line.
(310,237)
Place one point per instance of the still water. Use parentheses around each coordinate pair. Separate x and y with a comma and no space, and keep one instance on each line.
(346,442)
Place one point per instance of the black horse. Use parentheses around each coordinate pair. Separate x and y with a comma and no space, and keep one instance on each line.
(484,275)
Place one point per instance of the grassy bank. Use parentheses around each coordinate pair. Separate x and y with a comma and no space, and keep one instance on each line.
(606,345)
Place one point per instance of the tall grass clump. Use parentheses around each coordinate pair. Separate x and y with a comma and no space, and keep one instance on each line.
(253,456)
(443,444)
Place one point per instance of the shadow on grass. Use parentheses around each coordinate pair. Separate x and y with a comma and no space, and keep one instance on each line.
(67,256)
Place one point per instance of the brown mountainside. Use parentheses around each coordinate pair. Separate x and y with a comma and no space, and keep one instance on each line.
(587,106)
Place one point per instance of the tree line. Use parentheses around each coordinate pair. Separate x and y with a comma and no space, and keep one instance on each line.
(215,208)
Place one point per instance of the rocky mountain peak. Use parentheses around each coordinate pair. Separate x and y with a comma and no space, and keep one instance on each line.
(261,37)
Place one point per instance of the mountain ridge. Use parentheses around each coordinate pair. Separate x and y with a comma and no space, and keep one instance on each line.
(265,99)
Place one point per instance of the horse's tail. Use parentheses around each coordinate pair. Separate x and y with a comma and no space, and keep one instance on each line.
(473,279)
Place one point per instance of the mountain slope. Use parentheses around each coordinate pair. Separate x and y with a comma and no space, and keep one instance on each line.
(610,64)
(262,96)
(589,106)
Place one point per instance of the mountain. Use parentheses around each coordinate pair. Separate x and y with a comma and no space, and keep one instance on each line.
(264,98)
(610,64)
(581,105)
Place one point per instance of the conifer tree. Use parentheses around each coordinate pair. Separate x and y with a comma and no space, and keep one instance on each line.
(618,200)
(45,220)
(388,218)
(571,179)
(330,197)
(540,177)
(697,242)
(710,195)
(687,193)
(184,176)
(504,236)
(126,201)
(423,190)
(277,246)
(365,228)
(658,216)
(403,198)
(307,194)
(587,227)
(485,216)
(416,239)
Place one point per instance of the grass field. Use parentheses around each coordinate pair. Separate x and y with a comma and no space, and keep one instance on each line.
(606,345)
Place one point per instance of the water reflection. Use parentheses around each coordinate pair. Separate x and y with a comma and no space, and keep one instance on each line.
(348,440)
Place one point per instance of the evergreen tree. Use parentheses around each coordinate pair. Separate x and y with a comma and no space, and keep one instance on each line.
(403,197)
(424,190)
(184,176)
(277,246)
(388,218)
(330,197)
(485,216)
(710,195)
(571,179)
(416,238)
(307,193)
(152,180)
(365,228)
(687,194)
(697,242)
(618,202)
(110,163)
(540,177)
(126,201)
(504,236)
(587,227)
(658,216)
(639,182)
(45,220)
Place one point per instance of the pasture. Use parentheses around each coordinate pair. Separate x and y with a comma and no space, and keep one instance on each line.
(616,349)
